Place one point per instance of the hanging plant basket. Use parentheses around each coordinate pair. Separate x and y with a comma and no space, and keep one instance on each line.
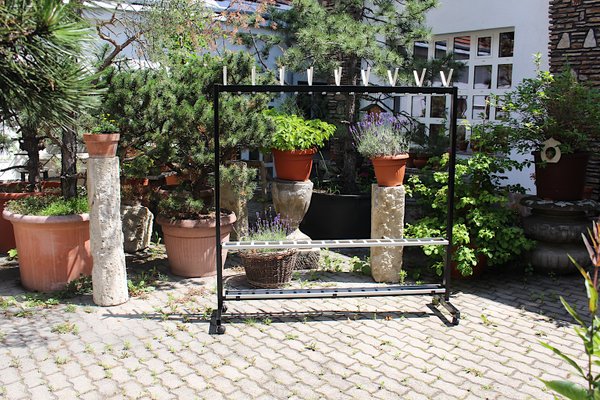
(389,170)
(269,270)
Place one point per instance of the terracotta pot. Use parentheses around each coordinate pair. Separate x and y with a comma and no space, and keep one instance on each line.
(293,165)
(191,246)
(389,170)
(420,161)
(7,234)
(52,250)
(564,180)
(101,145)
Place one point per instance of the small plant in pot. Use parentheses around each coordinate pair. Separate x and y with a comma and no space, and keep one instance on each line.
(557,117)
(188,226)
(104,137)
(384,138)
(268,268)
(294,142)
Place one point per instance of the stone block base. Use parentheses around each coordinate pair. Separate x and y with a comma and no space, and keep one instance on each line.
(137,227)
(387,221)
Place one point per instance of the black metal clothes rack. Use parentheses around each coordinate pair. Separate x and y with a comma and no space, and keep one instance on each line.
(440,292)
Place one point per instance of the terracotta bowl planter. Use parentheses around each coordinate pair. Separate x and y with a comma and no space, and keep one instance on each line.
(101,145)
(52,250)
(293,165)
(191,246)
(389,170)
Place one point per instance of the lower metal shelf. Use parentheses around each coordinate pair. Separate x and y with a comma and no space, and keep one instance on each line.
(309,244)
(395,290)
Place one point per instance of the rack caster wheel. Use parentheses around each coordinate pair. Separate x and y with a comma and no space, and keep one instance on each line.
(220,330)
(224,308)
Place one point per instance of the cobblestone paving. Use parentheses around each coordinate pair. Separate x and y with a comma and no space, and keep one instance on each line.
(157,346)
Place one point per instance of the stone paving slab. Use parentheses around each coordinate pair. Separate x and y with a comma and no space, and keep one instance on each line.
(157,345)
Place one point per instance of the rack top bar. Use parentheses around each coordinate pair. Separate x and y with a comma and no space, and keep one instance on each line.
(333,89)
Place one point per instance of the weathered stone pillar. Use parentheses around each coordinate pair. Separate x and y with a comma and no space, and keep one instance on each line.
(387,221)
(109,277)
(292,199)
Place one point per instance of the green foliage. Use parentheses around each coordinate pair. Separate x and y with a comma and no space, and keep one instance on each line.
(13,254)
(167,114)
(552,106)
(483,225)
(428,144)
(588,333)
(40,41)
(49,205)
(180,205)
(105,125)
(240,178)
(292,132)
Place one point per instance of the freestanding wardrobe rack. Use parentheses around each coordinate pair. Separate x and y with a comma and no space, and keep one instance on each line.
(440,292)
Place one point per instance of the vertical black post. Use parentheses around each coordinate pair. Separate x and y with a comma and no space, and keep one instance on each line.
(218,257)
(451,176)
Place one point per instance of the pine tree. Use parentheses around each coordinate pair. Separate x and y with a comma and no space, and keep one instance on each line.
(353,34)
(166,114)
(43,84)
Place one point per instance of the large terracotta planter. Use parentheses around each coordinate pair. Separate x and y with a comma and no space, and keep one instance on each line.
(101,145)
(564,180)
(389,170)
(52,250)
(293,165)
(191,246)
(7,235)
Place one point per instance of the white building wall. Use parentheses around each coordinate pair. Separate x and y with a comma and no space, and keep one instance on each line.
(530,21)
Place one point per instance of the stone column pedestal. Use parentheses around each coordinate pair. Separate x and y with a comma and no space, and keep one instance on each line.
(557,227)
(292,199)
(387,221)
(109,277)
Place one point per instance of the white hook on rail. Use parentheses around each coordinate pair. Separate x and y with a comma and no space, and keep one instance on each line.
(224,75)
(419,79)
(282,75)
(365,76)
(393,78)
(337,74)
(309,75)
(446,82)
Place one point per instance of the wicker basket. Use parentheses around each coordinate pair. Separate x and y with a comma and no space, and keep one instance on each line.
(269,270)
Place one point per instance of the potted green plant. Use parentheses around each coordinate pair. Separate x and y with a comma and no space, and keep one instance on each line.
(268,268)
(384,138)
(104,137)
(53,240)
(559,108)
(425,145)
(170,119)
(485,230)
(294,142)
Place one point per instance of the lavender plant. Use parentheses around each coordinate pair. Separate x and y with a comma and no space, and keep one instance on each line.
(269,227)
(381,134)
